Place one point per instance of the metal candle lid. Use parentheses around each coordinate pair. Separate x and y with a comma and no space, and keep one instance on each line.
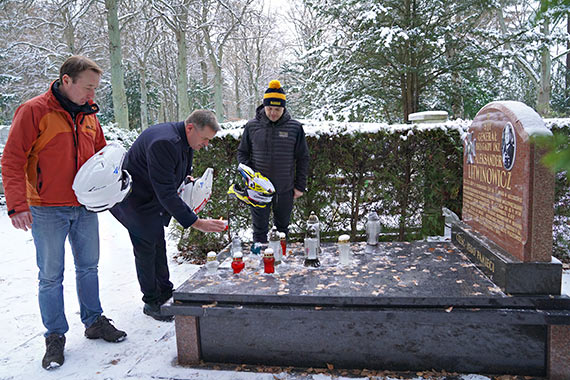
(268,252)
(274,234)
(372,216)
(211,256)
(313,217)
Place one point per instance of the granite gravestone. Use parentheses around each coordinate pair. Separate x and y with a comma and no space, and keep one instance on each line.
(508,198)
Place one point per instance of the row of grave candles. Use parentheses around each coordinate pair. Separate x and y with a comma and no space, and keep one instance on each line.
(273,254)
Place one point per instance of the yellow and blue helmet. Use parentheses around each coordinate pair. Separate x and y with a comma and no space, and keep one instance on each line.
(258,191)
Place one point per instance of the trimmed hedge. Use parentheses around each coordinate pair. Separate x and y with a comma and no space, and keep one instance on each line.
(406,173)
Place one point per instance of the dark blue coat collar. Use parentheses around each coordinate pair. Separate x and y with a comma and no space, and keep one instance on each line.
(180,128)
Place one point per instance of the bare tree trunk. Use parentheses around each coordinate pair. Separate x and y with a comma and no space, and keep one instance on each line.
(203,63)
(236,88)
(218,89)
(182,65)
(409,80)
(457,106)
(456,96)
(144,98)
(567,92)
(120,106)
(545,86)
(68,30)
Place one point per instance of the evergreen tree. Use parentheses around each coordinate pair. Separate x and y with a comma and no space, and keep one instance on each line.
(378,58)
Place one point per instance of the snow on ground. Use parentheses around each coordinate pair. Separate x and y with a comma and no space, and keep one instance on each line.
(149,352)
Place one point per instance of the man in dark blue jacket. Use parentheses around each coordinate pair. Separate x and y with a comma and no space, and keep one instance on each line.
(158,161)
(274,144)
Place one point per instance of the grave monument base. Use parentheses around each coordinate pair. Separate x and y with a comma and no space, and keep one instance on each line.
(402,307)
(510,274)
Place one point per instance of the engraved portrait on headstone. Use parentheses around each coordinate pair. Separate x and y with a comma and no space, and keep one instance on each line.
(508,147)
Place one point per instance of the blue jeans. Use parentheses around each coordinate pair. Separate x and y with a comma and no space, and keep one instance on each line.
(50,227)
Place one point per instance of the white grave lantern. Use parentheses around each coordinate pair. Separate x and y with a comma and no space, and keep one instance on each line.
(275,244)
(373,227)
(212,263)
(344,250)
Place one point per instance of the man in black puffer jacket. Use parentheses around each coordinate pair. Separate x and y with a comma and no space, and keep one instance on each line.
(274,144)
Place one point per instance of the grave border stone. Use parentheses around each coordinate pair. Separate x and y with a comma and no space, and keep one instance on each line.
(506,271)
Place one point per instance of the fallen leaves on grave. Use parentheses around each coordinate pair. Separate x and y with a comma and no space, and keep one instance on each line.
(210,305)
(448,310)
(330,366)
(453,269)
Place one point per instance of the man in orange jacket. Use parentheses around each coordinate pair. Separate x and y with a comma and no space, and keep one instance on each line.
(51,136)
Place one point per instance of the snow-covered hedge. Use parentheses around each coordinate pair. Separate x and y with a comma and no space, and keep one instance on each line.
(316,128)
(312,128)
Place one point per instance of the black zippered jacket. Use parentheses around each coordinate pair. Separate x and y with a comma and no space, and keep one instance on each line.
(278,150)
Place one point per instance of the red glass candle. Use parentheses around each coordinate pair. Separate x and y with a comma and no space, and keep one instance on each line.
(268,261)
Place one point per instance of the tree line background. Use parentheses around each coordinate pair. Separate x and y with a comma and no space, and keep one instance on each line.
(350,60)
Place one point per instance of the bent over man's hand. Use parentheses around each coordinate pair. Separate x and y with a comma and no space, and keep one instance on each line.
(22,220)
(210,225)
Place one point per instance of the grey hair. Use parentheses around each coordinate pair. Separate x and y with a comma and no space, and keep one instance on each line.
(203,118)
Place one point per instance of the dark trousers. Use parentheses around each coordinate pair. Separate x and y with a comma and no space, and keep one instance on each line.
(152,269)
(282,206)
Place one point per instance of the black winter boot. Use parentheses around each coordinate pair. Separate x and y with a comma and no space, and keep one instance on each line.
(102,328)
(54,351)
(153,310)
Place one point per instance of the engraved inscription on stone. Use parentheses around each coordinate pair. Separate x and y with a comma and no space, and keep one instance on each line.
(498,172)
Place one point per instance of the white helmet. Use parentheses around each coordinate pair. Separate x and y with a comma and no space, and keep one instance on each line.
(196,193)
(101,183)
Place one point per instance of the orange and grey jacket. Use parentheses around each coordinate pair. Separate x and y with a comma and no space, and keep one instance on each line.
(44,151)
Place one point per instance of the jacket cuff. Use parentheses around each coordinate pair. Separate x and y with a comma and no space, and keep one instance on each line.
(300,188)
(188,220)
(17,210)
